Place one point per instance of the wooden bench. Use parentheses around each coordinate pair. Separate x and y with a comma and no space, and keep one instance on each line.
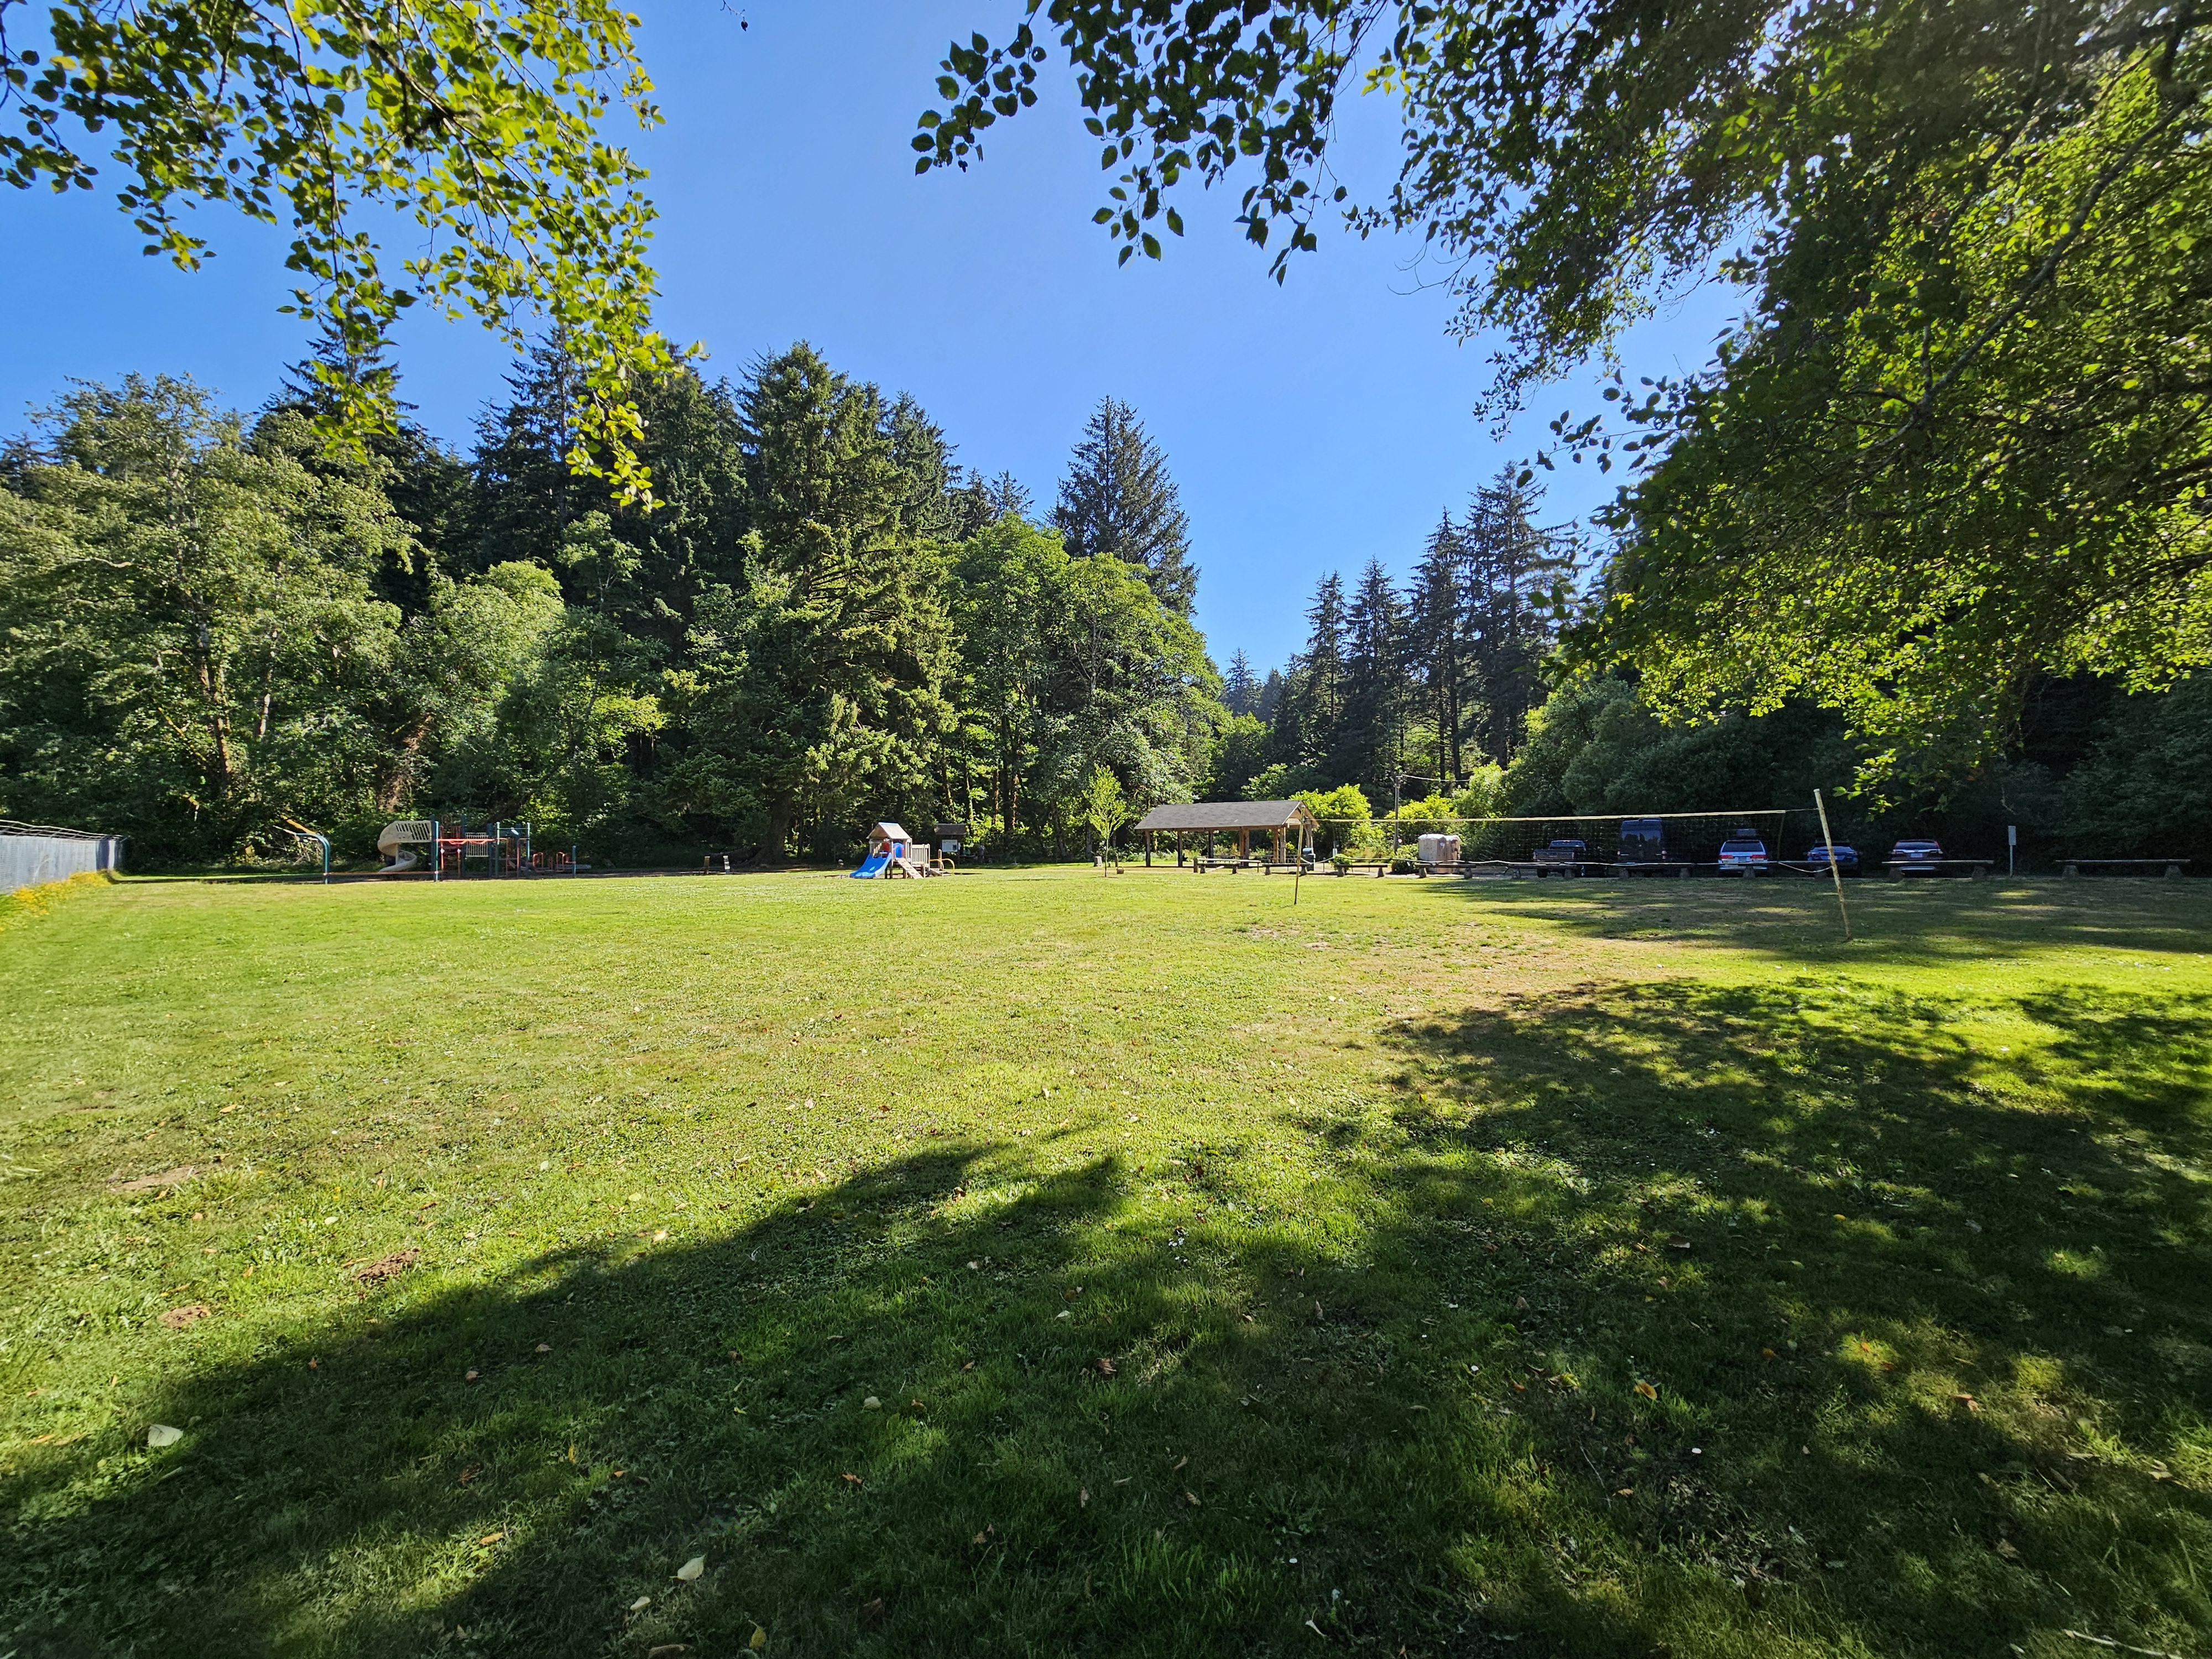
(2171,868)
(1470,869)
(1350,864)
(1975,869)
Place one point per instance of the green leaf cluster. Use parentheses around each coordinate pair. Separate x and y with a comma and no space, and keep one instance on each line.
(479,123)
(1961,440)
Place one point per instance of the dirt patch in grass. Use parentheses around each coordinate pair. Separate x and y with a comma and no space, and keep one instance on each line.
(158,1182)
(389,1267)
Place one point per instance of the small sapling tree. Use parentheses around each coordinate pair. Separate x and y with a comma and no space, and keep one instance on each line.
(1105,808)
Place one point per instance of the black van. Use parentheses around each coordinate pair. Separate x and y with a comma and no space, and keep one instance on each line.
(1642,841)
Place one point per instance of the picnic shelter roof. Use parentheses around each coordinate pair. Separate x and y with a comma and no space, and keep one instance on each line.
(1231,815)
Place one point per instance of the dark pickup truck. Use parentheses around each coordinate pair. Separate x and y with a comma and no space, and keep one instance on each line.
(1568,857)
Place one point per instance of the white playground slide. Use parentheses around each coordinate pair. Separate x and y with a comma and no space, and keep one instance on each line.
(392,844)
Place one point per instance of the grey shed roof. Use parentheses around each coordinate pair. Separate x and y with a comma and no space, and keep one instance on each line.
(1229,815)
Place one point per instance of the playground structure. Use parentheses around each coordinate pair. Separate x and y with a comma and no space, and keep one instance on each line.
(893,853)
(504,848)
(313,837)
(393,844)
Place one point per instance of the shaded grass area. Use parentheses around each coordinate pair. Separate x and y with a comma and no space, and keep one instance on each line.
(1448,1271)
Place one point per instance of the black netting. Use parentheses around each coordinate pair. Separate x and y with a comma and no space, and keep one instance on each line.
(1682,837)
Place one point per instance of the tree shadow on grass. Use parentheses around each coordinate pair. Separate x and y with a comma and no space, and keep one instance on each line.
(905,1418)
(1929,1359)
(1909,922)
(1928,1374)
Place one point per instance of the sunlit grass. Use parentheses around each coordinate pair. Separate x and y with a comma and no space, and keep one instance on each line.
(1418,1266)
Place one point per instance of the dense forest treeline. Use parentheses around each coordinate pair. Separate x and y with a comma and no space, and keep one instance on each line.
(1444,698)
(211,631)
(214,631)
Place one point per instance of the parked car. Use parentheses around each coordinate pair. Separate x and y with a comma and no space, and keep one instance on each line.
(1846,859)
(1572,854)
(1910,855)
(1744,851)
(1642,841)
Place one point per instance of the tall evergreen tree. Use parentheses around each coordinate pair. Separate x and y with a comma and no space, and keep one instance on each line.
(981,502)
(972,510)
(530,505)
(1117,501)
(1370,749)
(1436,644)
(1310,707)
(526,494)
(815,693)
(1271,696)
(1510,567)
(1008,495)
(921,449)
(426,483)
(1240,690)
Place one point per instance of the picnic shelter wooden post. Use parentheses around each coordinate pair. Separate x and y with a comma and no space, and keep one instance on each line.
(1288,825)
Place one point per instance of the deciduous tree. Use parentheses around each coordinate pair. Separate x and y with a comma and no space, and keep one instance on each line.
(1961,438)
(480,122)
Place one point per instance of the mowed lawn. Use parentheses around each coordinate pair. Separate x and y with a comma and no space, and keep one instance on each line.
(1037,1263)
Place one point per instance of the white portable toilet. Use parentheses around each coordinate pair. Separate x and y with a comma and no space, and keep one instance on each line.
(1438,852)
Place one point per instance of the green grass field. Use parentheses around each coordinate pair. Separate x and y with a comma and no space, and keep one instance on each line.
(1033,1262)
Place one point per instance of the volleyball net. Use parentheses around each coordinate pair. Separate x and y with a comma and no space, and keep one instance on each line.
(1685,838)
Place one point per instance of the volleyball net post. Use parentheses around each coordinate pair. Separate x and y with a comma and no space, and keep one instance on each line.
(1828,848)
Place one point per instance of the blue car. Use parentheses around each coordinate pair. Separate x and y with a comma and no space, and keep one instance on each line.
(1846,859)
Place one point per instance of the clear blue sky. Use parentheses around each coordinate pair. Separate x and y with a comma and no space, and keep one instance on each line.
(1309,427)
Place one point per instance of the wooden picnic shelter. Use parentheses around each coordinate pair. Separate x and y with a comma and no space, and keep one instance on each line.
(1288,825)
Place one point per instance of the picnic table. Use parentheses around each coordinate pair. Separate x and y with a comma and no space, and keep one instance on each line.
(2171,868)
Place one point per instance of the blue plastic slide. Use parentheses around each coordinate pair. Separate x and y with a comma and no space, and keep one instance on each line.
(873,866)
